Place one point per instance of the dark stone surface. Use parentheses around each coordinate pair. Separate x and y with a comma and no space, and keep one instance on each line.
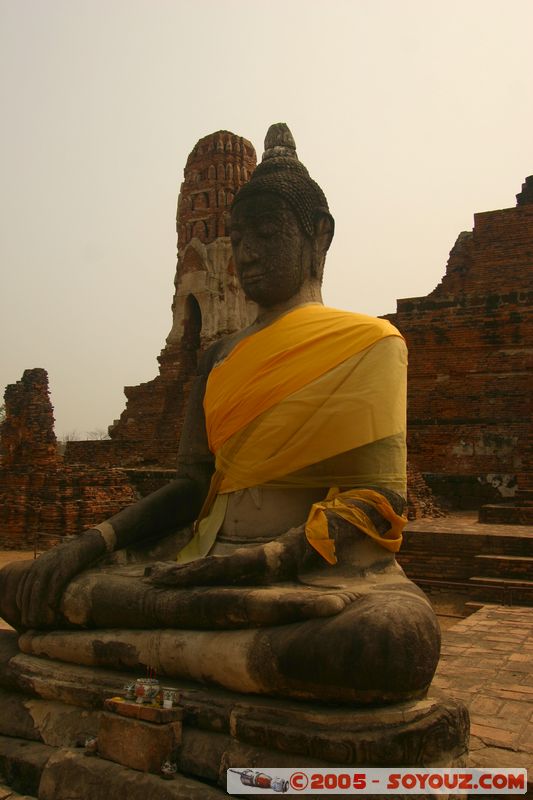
(15,719)
(22,763)
(506,514)
(71,776)
(137,744)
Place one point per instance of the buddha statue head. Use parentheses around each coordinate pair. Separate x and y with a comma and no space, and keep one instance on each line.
(281,227)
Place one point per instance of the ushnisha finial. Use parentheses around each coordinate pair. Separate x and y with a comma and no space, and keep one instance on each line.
(279,141)
(282,173)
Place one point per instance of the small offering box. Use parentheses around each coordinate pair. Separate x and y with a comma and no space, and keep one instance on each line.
(147,713)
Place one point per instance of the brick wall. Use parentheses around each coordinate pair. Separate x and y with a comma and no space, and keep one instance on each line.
(491,568)
(42,499)
(471,364)
(451,556)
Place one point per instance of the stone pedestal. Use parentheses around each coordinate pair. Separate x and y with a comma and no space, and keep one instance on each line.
(219,729)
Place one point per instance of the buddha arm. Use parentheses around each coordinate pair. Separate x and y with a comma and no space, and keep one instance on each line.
(179,502)
(174,505)
(272,562)
(280,560)
(40,589)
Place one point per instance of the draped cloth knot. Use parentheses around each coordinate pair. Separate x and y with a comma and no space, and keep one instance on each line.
(337,502)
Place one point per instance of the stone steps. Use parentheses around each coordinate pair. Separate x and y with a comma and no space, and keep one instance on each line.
(507,566)
(502,514)
(507,591)
(6,793)
(474,605)
(53,706)
(53,773)
(438,560)
(22,763)
(508,582)
(506,557)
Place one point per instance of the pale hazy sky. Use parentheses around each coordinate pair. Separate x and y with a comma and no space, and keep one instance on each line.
(412,115)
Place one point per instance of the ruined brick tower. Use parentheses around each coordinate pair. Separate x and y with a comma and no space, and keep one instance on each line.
(471,363)
(27,432)
(41,498)
(207,304)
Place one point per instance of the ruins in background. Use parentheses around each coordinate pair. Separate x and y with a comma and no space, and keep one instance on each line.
(471,367)
(469,411)
(208,303)
(42,499)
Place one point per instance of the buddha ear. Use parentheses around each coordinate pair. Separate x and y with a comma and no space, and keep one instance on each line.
(324,230)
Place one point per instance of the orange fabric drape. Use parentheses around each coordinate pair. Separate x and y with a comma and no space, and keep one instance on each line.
(275,362)
(314,384)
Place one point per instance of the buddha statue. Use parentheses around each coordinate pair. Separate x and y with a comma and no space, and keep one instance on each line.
(290,489)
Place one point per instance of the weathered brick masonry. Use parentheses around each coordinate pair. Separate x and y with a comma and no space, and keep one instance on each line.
(41,498)
(492,567)
(207,304)
(470,363)
(420,499)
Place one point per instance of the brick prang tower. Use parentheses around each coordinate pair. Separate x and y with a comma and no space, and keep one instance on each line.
(208,301)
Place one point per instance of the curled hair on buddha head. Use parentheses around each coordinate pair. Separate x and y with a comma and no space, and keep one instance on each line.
(280,172)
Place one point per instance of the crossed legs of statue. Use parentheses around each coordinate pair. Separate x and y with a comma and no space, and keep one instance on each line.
(344,634)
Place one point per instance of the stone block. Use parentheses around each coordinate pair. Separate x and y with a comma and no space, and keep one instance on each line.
(504,514)
(22,763)
(146,713)
(137,744)
(15,719)
(8,650)
(421,733)
(71,776)
(55,724)
(55,680)
(204,752)
(6,793)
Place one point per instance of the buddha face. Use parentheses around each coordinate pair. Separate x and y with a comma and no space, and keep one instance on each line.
(273,256)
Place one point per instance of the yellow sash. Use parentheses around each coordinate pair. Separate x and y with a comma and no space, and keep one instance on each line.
(277,361)
(291,397)
(316,528)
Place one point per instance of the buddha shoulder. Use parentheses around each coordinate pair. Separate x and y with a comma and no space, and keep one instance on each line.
(220,350)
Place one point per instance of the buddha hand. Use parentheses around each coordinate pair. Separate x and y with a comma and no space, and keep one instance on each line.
(275,561)
(40,590)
